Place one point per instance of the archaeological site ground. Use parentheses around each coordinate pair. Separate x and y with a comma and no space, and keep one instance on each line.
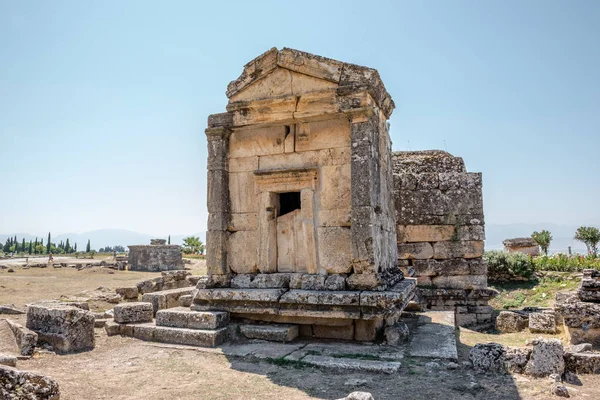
(335,268)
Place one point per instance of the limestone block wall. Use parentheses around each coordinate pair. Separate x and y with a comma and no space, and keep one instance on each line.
(312,158)
(440,232)
(154,258)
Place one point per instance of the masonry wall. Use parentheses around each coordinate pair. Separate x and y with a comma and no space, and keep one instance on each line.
(154,258)
(320,146)
(440,232)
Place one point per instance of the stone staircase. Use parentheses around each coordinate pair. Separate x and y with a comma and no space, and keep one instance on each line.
(177,325)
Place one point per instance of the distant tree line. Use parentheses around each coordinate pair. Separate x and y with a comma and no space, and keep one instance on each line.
(108,249)
(13,245)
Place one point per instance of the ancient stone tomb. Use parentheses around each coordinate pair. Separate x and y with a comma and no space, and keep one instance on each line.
(303,206)
(158,256)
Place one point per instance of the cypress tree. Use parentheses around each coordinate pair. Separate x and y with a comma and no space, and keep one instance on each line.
(30,244)
(169,242)
(67,247)
(88,248)
(75,248)
(23,246)
(48,244)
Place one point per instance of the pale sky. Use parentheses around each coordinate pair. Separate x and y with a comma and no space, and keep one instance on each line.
(103,104)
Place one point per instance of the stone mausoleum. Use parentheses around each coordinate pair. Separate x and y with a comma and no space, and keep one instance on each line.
(155,257)
(314,221)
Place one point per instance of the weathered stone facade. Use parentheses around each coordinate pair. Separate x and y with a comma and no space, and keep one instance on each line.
(301,213)
(522,245)
(440,231)
(155,257)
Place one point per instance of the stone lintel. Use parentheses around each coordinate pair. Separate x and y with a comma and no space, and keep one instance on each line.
(357,115)
(217,133)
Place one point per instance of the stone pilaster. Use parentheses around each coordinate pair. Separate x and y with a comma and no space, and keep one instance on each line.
(217,200)
(370,240)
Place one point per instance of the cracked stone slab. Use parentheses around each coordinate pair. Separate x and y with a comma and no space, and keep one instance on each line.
(435,336)
(353,364)
(261,349)
(356,350)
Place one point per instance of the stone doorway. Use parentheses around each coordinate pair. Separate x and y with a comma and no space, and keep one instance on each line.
(291,242)
(286,220)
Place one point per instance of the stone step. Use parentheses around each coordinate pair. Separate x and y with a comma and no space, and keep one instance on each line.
(435,336)
(163,334)
(181,317)
(273,332)
(166,298)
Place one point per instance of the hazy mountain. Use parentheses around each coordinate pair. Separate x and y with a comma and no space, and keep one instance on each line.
(102,238)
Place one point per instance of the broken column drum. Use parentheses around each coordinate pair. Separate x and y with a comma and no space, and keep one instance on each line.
(301,221)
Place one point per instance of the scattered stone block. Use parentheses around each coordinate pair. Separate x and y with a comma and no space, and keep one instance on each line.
(271,332)
(582,363)
(546,358)
(31,385)
(540,322)
(515,359)
(65,328)
(8,360)
(112,328)
(508,321)
(128,293)
(10,309)
(396,334)
(559,390)
(581,348)
(26,339)
(133,312)
(487,357)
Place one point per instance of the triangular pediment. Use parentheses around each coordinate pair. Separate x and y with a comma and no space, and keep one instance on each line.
(281,82)
(289,72)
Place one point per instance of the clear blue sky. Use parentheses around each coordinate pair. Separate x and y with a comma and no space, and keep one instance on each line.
(103,104)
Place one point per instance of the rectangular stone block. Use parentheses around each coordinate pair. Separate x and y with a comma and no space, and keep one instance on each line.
(243,164)
(458,249)
(466,282)
(242,222)
(339,217)
(185,318)
(271,332)
(431,267)
(218,191)
(216,252)
(242,247)
(334,332)
(242,193)
(367,330)
(415,251)
(335,187)
(425,233)
(67,329)
(128,293)
(133,312)
(335,253)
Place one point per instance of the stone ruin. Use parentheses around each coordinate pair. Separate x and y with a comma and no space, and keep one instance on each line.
(440,233)
(581,310)
(522,245)
(155,257)
(312,219)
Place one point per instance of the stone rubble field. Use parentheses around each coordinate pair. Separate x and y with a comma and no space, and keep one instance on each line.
(122,367)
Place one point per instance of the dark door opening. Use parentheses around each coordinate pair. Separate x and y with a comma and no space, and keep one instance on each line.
(289,202)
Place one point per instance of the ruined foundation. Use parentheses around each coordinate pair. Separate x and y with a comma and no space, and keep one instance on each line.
(155,257)
(440,230)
